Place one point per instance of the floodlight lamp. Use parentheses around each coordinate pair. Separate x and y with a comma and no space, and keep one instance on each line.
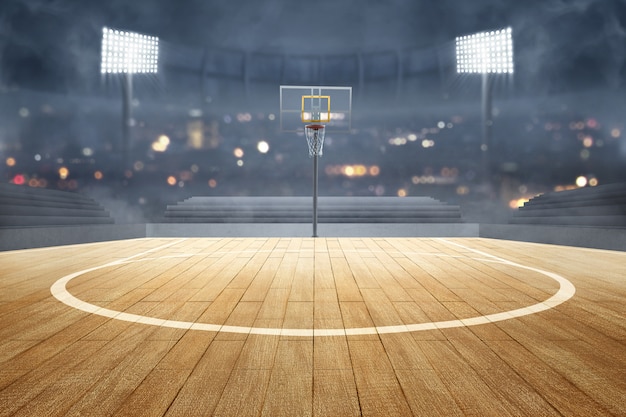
(485,52)
(128,52)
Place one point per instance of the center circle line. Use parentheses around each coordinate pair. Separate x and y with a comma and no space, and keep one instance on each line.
(60,292)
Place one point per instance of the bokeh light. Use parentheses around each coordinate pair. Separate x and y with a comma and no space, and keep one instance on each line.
(518,202)
(161,144)
(64,172)
(263,146)
(19,179)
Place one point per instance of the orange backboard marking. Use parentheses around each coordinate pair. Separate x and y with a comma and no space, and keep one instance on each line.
(310,113)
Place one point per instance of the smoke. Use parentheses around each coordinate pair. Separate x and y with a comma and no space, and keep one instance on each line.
(562,42)
(557,42)
(118,206)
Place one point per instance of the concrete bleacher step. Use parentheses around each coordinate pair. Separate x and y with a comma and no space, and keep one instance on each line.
(307,219)
(17,191)
(586,210)
(598,202)
(572,198)
(22,202)
(321,213)
(23,210)
(603,206)
(607,189)
(29,221)
(604,221)
(27,207)
(299,210)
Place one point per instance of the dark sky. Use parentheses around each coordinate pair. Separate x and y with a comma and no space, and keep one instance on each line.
(574,40)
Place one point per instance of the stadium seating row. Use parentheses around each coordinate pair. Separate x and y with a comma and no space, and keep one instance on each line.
(300,210)
(27,207)
(601,206)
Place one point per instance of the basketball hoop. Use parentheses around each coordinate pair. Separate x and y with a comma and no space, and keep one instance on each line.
(315,139)
(311,106)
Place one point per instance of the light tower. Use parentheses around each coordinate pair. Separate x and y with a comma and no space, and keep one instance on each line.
(128,53)
(486,53)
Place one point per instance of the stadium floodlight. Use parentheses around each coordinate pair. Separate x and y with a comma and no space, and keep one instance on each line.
(486,53)
(128,53)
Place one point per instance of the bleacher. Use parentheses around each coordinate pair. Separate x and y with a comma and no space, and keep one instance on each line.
(23,206)
(601,206)
(300,210)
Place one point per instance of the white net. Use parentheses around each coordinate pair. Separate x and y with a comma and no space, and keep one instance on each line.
(315,139)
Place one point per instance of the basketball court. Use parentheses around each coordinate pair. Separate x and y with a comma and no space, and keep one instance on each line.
(321,327)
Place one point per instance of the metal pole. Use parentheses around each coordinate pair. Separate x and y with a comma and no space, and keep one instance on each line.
(127,119)
(487,128)
(315,194)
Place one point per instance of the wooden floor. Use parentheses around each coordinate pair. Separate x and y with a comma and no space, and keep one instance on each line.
(150,346)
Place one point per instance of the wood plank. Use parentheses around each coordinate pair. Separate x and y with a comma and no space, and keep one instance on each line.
(427,395)
(331,353)
(115,384)
(302,288)
(291,382)
(356,315)
(244,393)
(347,288)
(155,393)
(298,315)
(247,274)
(335,393)
(380,393)
(222,307)
(203,389)
(380,308)
(470,392)
(28,386)
(404,352)
(259,352)
(323,278)
(260,285)
(557,390)
(243,315)
(285,273)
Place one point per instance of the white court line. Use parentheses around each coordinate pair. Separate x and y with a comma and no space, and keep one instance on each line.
(565,292)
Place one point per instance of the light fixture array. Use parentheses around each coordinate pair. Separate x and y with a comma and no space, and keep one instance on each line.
(128,52)
(485,52)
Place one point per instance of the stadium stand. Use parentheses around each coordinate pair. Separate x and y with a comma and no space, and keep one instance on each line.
(601,206)
(299,210)
(28,206)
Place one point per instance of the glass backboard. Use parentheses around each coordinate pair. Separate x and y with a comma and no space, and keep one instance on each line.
(302,105)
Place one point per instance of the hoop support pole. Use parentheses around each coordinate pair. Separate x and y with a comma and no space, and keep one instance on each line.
(315,168)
